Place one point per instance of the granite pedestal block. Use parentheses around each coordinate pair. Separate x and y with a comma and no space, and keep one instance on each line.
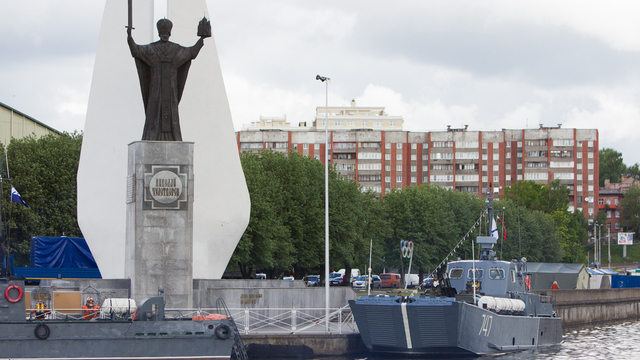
(159,237)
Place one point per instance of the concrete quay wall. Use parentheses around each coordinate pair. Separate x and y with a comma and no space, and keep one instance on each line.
(584,307)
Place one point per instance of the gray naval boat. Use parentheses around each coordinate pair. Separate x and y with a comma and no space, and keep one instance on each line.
(478,308)
(147,334)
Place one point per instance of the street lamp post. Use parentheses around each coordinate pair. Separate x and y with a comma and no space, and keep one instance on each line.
(326,199)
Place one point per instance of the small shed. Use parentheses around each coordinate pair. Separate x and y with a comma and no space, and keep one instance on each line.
(600,278)
(568,276)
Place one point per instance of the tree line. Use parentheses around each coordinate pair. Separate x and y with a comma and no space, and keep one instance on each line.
(286,235)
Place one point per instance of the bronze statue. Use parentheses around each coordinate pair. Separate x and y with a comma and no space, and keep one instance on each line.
(162,69)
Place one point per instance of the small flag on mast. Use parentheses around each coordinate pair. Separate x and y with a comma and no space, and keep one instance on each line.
(494,229)
(16,198)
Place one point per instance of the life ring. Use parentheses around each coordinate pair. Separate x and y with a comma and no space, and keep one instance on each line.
(527,282)
(13,299)
(223,332)
(42,332)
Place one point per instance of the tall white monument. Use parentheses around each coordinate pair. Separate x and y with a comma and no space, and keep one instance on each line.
(115,118)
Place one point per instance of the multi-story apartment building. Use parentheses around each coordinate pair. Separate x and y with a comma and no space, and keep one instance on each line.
(369,146)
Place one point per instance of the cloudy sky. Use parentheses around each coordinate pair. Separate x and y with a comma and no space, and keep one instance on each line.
(490,65)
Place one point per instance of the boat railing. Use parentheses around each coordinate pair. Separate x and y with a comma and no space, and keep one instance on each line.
(248,320)
(293,320)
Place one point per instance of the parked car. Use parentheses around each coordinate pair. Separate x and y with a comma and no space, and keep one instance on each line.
(261,276)
(426,283)
(312,280)
(335,279)
(289,278)
(390,280)
(360,282)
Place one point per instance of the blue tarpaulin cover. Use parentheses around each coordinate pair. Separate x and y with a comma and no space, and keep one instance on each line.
(61,252)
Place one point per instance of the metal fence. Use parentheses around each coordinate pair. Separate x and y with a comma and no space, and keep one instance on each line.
(249,320)
(293,320)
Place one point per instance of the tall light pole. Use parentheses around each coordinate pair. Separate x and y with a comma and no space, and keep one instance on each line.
(326,199)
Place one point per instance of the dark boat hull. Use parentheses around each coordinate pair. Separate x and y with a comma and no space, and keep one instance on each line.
(438,325)
(122,340)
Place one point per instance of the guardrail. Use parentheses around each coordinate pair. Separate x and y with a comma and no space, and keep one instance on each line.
(248,320)
(293,320)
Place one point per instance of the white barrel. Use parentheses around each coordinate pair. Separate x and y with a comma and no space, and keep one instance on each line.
(489,300)
(119,306)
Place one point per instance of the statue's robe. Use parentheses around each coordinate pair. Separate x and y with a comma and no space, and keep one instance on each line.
(162,69)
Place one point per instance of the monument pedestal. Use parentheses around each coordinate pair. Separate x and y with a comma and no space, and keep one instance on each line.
(159,237)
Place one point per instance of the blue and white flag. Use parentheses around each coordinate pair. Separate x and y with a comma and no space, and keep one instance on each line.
(15,197)
(494,229)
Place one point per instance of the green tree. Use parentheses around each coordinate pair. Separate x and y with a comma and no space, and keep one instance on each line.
(433,218)
(44,172)
(611,166)
(530,233)
(630,215)
(542,197)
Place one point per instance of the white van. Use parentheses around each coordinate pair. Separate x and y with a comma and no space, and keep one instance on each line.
(412,280)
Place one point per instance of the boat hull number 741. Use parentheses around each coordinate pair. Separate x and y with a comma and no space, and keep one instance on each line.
(487,321)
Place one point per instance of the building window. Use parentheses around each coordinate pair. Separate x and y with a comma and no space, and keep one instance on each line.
(387,179)
(579,166)
(399,179)
(507,177)
(305,146)
(617,214)
(414,146)
(590,155)
(414,157)
(392,123)
(617,226)
(536,176)
(466,177)
(365,166)
(507,166)
(387,146)
(425,157)
(467,155)
(496,168)
(496,156)
(609,214)
(579,155)
(387,156)
(414,168)
(590,166)
(377,123)
(591,177)
(399,168)
(413,179)
(601,201)
(387,168)
(485,157)
(590,188)
(398,156)
(579,189)
(617,202)
(579,178)
(398,145)
(608,201)
(338,123)
(509,155)
(441,178)
(496,179)
(563,176)
(425,168)
(425,145)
